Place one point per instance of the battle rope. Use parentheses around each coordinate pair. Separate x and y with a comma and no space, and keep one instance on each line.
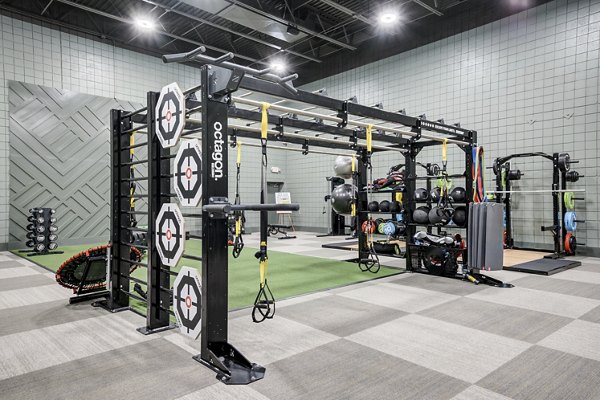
(371,263)
(478,179)
(238,243)
(264,304)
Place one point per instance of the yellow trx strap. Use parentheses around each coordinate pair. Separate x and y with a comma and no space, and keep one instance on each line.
(445,151)
(399,197)
(239,153)
(238,227)
(369,134)
(264,122)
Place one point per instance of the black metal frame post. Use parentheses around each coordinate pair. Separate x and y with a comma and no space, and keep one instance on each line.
(361,203)
(118,281)
(216,353)
(159,276)
(410,183)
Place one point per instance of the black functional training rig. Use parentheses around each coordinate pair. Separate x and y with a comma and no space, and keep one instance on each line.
(215,99)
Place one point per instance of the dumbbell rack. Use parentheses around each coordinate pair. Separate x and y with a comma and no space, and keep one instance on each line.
(42,233)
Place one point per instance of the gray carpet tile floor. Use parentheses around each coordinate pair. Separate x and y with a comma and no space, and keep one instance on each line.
(407,336)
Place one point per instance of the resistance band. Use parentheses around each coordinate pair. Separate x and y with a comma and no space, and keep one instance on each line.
(264,304)
(240,218)
(478,179)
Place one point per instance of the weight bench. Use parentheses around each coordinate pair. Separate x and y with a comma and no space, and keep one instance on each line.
(276,229)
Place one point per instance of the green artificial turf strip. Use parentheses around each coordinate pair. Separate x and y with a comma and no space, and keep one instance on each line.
(289,275)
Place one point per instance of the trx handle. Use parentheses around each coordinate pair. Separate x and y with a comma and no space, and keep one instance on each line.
(264,122)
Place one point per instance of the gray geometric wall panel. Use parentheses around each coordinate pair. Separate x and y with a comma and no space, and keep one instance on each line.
(59,158)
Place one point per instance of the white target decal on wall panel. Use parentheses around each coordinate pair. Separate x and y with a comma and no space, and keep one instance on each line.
(187,302)
(170,115)
(170,234)
(188,177)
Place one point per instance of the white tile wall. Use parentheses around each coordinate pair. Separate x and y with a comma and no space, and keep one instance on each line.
(36,54)
(526,83)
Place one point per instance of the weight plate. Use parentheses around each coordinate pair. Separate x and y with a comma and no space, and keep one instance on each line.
(570,221)
(170,115)
(170,231)
(188,177)
(569,199)
(187,302)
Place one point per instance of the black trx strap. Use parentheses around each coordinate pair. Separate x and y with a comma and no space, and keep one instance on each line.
(240,218)
(264,304)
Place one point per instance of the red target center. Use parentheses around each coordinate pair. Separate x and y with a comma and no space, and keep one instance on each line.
(169,235)
(188,173)
(188,301)
(169,115)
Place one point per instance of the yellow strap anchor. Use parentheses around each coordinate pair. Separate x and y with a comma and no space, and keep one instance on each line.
(264,121)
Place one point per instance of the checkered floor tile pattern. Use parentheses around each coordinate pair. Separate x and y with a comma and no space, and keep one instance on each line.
(409,336)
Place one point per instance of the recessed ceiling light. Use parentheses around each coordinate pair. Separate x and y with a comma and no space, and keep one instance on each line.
(144,23)
(278,66)
(388,17)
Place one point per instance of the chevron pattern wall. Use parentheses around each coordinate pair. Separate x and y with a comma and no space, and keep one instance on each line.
(59,158)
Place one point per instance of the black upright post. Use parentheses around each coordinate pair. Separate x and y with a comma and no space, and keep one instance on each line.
(118,281)
(508,210)
(361,203)
(216,353)
(558,231)
(410,175)
(158,278)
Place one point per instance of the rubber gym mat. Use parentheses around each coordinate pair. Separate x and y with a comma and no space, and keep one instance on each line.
(289,274)
(544,266)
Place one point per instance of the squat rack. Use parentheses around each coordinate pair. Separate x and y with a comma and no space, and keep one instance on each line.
(214,101)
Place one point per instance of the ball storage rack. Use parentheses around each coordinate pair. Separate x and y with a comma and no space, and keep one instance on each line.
(221,109)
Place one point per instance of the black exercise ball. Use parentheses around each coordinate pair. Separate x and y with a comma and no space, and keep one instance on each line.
(460,215)
(439,215)
(458,194)
(384,206)
(421,215)
(373,206)
(395,206)
(421,194)
(435,194)
(341,198)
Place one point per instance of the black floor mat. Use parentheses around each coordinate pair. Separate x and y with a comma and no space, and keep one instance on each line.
(544,266)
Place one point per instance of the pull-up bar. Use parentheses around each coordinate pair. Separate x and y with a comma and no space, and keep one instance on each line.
(332,118)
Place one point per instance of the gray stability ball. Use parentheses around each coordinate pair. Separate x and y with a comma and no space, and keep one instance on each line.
(343,167)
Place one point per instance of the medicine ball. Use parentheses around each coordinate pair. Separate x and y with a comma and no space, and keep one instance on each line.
(343,167)
(439,215)
(460,215)
(341,198)
(384,206)
(380,227)
(373,206)
(458,194)
(421,215)
(389,228)
(421,194)
(395,206)
(435,194)
(400,228)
